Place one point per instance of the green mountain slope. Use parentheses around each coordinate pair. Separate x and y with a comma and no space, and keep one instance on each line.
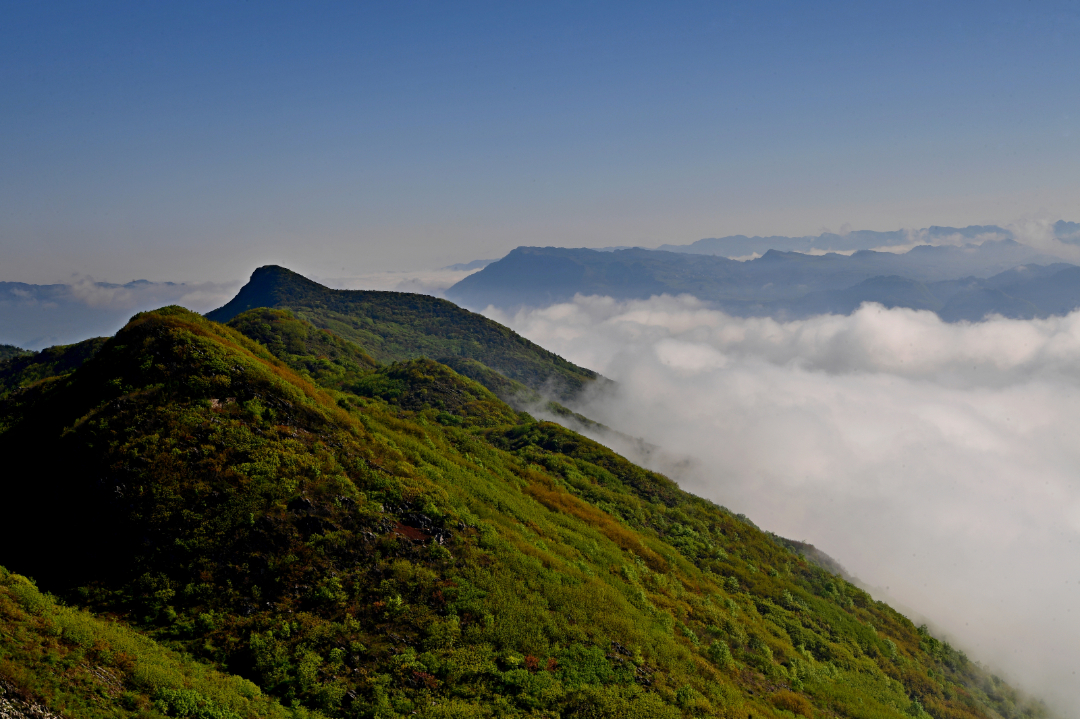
(62,659)
(394,326)
(396,541)
(25,369)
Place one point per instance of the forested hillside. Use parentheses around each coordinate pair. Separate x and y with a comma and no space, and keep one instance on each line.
(394,540)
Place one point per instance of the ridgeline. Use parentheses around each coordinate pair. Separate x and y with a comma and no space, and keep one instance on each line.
(394,326)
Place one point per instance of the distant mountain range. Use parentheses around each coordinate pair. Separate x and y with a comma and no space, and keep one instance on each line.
(959,282)
(952,272)
(743,246)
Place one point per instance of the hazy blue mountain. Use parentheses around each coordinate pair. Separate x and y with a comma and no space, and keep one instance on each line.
(960,283)
(539,276)
(778,283)
(743,246)
(975,304)
(1068,232)
(1023,293)
(890,291)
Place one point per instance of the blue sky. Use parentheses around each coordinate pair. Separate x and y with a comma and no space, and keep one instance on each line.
(195,141)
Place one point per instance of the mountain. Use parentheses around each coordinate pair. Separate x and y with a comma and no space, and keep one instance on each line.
(992,280)
(400,326)
(541,276)
(1025,292)
(385,540)
(889,291)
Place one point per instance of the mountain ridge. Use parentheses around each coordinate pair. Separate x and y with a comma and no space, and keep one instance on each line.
(959,283)
(746,246)
(397,326)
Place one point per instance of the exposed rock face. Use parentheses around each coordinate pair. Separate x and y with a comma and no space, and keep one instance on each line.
(15,704)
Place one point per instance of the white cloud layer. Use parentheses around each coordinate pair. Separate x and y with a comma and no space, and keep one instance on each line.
(939,462)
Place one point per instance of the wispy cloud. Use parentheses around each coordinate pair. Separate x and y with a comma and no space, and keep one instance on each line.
(141,294)
(424,282)
(36,316)
(1038,232)
(937,462)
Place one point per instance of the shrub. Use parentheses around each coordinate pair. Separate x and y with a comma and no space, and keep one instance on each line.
(720,654)
(792,702)
(189,703)
(28,595)
(76,627)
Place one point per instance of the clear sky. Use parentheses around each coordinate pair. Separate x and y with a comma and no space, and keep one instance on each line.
(195,141)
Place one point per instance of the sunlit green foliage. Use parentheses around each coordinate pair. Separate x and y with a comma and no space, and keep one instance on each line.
(391,541)
(315,354)
(25,368)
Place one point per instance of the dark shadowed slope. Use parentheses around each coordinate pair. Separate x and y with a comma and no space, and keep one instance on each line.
(399,326)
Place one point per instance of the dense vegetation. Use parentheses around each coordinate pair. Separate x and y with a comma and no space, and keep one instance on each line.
(78,664)
(393,326)
(393,540)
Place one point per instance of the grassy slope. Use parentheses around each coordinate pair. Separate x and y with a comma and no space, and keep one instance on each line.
(400,541)
(85,666)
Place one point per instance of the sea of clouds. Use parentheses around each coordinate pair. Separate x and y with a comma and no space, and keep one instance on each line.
(424,282)
(939,463)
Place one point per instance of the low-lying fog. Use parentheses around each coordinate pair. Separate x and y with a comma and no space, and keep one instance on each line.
(939,463)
